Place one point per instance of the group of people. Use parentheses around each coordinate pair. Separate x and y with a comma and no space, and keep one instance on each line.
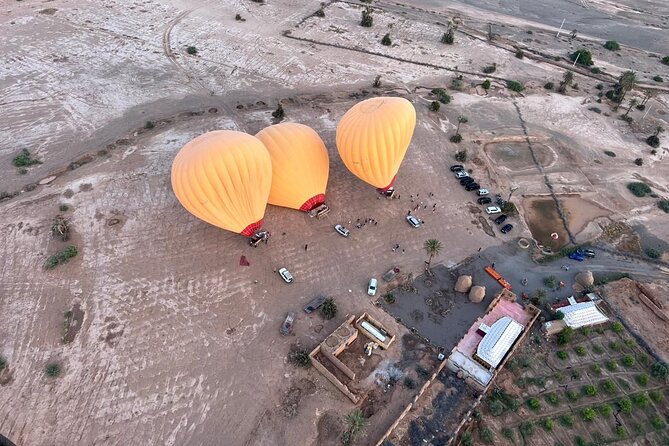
(360,224)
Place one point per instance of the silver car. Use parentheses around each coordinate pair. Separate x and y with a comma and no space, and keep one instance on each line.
(342,230)
(413,221)
(286,275)
(493,210)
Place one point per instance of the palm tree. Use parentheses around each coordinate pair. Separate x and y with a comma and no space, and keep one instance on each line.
(356,423)
(462,119)
(567,79)
(632,104)
(626,82)
(432,247)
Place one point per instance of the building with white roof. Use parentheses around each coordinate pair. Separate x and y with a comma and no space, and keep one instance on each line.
(497,341)
(582,314)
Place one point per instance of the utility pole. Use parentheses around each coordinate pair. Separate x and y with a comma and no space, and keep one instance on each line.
(577,56)
(511,191)
(560,30)
(644,115)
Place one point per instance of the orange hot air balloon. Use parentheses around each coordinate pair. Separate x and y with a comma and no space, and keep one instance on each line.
(223,177)
(300,165)
(373,137)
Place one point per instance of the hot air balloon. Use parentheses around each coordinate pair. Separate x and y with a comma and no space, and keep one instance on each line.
(300,166)
(224,177)
(373,137)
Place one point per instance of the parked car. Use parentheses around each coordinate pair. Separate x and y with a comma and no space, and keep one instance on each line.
(577,255)
(287,325)
(371,288)
(482,192)
(465,181)
(506,228)
(286,275)
(492,210)
(457,167)
(342,230)
(472,186)
(588,253)
(501,219)
(413,221)
(461,174)
(314,304)
(484,200)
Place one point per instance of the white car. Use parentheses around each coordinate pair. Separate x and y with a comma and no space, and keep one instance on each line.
(371,288)
(461,174)
(342,230)
(493,210)
(413,221)
(286,275)
(482,192)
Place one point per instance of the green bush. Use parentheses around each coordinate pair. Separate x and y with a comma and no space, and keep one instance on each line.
(561,354)
(550,281)
(149,125)
(658,423)
(191,50)
(514,86)
(456,138)
(625,405)
(52,370)
(571,395)
(490,68)
(659,370)
(329,308)
(486,84)
(612,365)
(409,383)
(597,349)
(367,18)
(299,357)
(642,379)
(608,386)
(534,404)
(519,53)
(63,207)
(617,327)
(653,141)
(641,400)
(612,45)
(588,414)
(3,363)
(487,435)
(609,153)
(279,113)
(320,13)
(664,205)
(631,343)
(565,336)
(656,395)
(497,408)
(422,372)
(526,428)
(467,439)
(435,106)
(621,432)
(590,390)
(615,346)
(24,159)
(606,410)
(583,56)
(638,161)
(549,85)
(61,257)
(386,41)
(548,424)
(658,79)
(566,420)
(665,60)
(552,399)
(596,369)
(628,360)
(653,253)
(507,433)
(461,156)
(442,95)
(595,70)
(580,350)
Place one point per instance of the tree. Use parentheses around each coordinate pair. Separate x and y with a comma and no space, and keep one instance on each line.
(386,40)
(627,82)
(435,106)
(654,139)
(486,84)
(632,104)
(432,247)
(191,50)
(329,308)
(612,45)
(566,81)
(462,119)
(357,424)
(515,86)
(367,19)
(582,57)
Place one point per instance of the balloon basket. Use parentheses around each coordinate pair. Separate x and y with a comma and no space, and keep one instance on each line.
(319,211)
(260,236)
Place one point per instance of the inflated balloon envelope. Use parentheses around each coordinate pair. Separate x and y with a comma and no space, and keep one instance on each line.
(373,137)
(300,165)
(224,177)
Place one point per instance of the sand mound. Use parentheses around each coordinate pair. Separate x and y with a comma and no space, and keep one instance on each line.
(585,278)
(477,294)
(463,284)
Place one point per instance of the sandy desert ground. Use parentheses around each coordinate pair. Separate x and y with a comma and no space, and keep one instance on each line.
(178,343)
